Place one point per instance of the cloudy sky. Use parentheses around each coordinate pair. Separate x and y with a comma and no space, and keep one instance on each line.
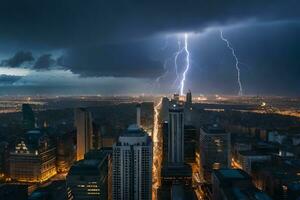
(128,47)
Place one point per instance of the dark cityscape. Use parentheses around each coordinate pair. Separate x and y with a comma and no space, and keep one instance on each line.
(149,100)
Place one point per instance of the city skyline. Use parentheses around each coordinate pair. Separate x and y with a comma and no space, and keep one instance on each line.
(110,48)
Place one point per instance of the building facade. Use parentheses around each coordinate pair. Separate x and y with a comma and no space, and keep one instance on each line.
(84,128)
(214,147)
(132,166)
(176,134)
(89,178)
(34,158)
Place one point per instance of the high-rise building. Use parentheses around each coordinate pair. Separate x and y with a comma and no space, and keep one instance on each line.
(65,152)
(165,109)
(214,149)
(138,115)
(89,178)
(175,172)
(188,109)
(176,135)
(33,159)
(97,137)
(28,117)
(132,165)
(188,99)
(84,127)
(190,143)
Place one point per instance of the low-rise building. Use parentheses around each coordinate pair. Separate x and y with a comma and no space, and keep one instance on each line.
(33,159)
(246,158)
(234,184)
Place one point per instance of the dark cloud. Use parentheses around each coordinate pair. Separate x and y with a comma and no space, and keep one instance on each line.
(44,62)
(111,38)
(8,79)
(126,60)
(18,59)
(69,23)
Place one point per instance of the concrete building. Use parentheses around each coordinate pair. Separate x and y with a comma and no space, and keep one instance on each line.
(176,135)
(188,109)
(33,159)
(11,191)
(89,178)
(84,127)
(65,152)
(28,117)
(246,158)
(214,149)
(132,165)
(165,109)
(234,184)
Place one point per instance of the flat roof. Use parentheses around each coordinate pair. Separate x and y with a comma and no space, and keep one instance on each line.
(231,174)
(253,153)
(213,129)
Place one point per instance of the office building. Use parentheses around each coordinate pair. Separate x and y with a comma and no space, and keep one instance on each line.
(89,178)
(33,159)
(214,149)
(28,117)
(132,165)
(247,158)
(188,99)
(190,143)
(176,135)
(13,192)
(97,136)
(138,115)
(233,184)
(84,128)
(164,111)
(65,152)
(188,109)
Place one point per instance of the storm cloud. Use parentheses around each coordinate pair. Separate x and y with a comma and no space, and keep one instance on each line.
(69,23)
(18,59)
(112,38)
(44,62)
(8,79)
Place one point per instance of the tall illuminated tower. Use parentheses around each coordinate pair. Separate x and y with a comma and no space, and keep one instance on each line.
(132,166)
(84,126)
(176,134)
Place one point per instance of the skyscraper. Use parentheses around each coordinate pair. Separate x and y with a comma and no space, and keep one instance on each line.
(188,109)
(188,99)
(28,117)
(165,109)
(84,126)
(132,165)
(176,134)
(214,149)
(138,115)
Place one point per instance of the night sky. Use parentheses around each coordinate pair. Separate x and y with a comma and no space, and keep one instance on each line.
(121,47)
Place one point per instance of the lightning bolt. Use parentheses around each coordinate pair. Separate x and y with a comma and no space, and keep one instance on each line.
(187,63)
(166,71)
(175,60)
(236,63)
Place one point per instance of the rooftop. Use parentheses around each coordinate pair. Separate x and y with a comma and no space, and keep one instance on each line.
(213,129)
(253,153)
(231,174)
